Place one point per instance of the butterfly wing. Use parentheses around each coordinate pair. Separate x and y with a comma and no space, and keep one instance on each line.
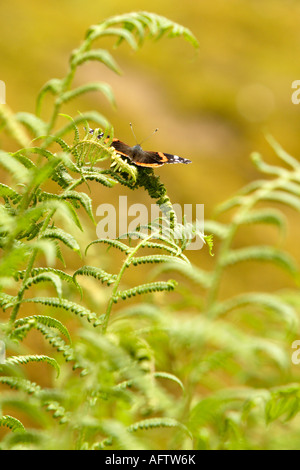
(154,159)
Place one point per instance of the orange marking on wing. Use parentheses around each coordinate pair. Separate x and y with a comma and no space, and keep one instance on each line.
(113,140)
(149,165)
(163,157)
(121,153)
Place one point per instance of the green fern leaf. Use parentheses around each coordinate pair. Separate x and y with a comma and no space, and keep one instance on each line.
(268,301)
(34,320)
(64,237)
(53,86)
(98,177)
(168,376)
(262,253)
(45,277)
(13,126)
(36,271)
(115,243)
(97,273)
(218,229)
(90,116)
(284,198)
(20,360)
(281,153)
(195,274)
(146,289)
(84,200)
(19,383)
(101,30)
(162,422)
(98,86)
(14,167)
(119,164)
(67,305)
(156,259)
(7,191)
(264,216)
(101,55)
(12,423)
(35,124)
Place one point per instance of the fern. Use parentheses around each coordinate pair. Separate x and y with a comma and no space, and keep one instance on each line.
(24,324)
(145,289)
(12,423)
(19,360)
(206,367)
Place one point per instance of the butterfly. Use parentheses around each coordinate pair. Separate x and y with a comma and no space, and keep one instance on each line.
(140,157)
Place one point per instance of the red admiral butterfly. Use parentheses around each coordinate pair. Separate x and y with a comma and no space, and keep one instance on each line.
(140,157)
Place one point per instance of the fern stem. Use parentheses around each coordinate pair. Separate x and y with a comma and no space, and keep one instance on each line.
(20,296)
(125,265)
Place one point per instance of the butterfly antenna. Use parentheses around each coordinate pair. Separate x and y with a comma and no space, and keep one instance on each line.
(146,137)
(133,132)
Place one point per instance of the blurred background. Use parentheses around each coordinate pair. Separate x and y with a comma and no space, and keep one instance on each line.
(212,106)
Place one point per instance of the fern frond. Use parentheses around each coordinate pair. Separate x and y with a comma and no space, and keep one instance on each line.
(281,153)
(12,423)
(99,177)
(264,216)
(217,228)
(8,192)
(268,301)
(115,243)
(283,401)
(162,422)
(36,271)
(100,55)
(140,24)
(209,240)
(35,124)
(156,259)
(47,247)
(59,411)
(14,167)
(7,300)
(84,200)
(146,289)
(45,277)
(120,165)
(67,305)
(90,116)
(98,86)
(283,198)
(53,86)
(195,274)
(65,237)
(19,383)
(97,273)
(20,360)
(262,253)
(168,376)
(117,434)
(34,320)
(265,167)
(14,128)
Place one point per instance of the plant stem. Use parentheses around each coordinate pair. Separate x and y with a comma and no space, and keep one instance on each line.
(125,265)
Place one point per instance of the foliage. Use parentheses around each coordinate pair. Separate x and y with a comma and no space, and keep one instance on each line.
(187,370)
